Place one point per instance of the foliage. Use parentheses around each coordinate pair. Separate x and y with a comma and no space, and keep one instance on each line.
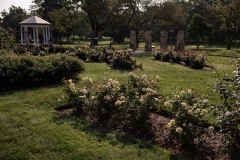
(170,13)
(141,96)
(191,59)
(13,17)
(98,12)
(61,24)
(60,49)
(81,53)
(198,29)
(123,59)
(27,70)
(37,50)
(107,54)
(20,50)
(226,12)
(134,98)
(189,111)
(46,133)
(44,7)
(229,111)
(80,24)
(6,38)
(94,55)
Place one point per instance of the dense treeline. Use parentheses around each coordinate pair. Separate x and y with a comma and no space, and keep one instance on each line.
(211,21)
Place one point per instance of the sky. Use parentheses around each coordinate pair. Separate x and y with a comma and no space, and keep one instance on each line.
(6,4)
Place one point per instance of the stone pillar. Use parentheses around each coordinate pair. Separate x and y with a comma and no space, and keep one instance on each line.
(148,41)
(179,44)
(164,40)
(133,40)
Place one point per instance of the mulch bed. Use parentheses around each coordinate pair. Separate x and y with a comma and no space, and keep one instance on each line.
(158,134)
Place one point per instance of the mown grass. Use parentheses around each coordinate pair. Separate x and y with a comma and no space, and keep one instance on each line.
(31,128)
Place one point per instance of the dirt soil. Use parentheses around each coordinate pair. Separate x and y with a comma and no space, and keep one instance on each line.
(158,134)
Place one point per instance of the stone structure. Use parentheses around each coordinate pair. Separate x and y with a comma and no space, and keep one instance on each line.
(35,23)
(179,42)
(133,40)
(148,40)
(164,39)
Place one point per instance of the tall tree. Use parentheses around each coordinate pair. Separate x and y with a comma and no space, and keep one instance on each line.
(61,24)
(228,14)
(172,13)
(198,29)
(59,13)
(43,7)
(98,12)
(13,18)
(81,24)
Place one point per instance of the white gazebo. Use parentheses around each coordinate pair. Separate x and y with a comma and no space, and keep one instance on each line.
(34,22)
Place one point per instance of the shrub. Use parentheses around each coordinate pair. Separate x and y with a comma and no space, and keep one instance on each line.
(20,50)
(175,56)
(157,55)
(140,96)
(189,112)
(60,49)
(27,70)
(51,49)
(75,97)
(107,54)
(66,67)
(229,112)
(134,99)
(94,55)
(122,59)
(197,61)
(81,53)
(193,60)
(103,104)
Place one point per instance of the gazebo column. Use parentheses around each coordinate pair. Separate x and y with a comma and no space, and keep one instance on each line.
(34,36)
(164,39)
(37,34)
(148,40)
(48,34)
(44,35)
(133,40)
(21,34)
(179,45)
(25,35)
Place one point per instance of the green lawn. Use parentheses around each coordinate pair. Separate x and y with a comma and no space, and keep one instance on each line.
(31,128)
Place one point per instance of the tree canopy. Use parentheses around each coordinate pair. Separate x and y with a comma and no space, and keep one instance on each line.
(198,29)
(112,18)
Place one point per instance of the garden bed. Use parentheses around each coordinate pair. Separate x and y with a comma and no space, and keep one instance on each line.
(158,134)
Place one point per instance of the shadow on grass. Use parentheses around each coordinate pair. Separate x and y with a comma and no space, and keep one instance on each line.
(97,131)
(104,134)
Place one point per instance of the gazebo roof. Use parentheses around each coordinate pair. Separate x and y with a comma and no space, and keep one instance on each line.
(34,20)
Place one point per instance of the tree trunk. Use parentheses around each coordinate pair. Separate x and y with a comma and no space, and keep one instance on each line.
(197,44)
(229,45)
